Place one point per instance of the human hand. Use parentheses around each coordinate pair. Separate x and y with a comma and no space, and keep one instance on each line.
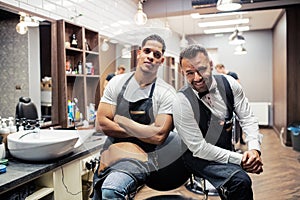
(252,162)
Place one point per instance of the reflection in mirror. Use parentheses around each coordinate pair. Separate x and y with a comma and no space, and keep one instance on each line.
(25,59)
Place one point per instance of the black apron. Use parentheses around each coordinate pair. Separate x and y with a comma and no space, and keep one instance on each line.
(140,111)
(167,170)
(162,174)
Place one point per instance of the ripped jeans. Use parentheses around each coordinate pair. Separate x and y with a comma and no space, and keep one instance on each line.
(231,181)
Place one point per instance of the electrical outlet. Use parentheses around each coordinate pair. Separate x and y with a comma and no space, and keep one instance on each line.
(84,161)
(90,161)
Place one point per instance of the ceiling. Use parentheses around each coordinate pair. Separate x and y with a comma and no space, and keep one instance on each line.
(262,14)
(258,20)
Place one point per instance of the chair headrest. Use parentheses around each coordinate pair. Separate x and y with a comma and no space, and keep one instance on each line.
(25,99)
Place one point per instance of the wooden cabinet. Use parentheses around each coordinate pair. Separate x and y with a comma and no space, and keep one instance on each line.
(70,181)
(79,73)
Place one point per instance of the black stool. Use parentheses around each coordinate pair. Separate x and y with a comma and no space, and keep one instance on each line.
(199,186)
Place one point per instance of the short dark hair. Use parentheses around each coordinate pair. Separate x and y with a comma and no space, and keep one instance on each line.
(156,38)
(121,67)
(219,66)
(191,51)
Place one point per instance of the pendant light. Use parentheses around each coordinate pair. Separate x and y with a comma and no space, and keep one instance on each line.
(140,17)
(25,22)
(228,5)
(21,27)
(183,42)
(240,50)
(236,39)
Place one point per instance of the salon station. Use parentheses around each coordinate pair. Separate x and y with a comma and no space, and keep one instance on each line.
(56,55)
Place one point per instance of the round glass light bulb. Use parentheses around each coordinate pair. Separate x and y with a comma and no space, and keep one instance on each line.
(21,28)
(140,18)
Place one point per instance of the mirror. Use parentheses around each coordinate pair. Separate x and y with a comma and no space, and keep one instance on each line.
(25,60)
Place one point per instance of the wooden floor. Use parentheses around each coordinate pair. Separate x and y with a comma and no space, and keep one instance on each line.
(279,181)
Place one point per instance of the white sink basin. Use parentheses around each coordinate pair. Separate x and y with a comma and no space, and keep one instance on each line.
(45,145)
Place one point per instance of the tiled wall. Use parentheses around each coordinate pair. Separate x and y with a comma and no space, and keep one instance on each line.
(99,15)
(13,67)
(113,19)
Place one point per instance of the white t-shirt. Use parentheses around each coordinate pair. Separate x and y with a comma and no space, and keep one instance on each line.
(163,95)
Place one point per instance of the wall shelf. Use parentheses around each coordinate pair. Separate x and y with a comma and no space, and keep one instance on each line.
(84,86)
(40,193)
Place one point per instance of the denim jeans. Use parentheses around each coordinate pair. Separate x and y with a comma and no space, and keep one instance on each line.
(121,180)
(231,181)
(117,185)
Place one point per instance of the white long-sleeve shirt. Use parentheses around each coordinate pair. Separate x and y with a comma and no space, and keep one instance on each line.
(189,130)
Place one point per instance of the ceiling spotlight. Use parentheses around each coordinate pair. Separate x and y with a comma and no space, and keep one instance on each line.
(240,50)
(105,46)
(235,38)
(140,17)
(228,5)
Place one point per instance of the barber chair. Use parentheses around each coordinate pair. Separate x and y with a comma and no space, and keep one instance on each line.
(26,111)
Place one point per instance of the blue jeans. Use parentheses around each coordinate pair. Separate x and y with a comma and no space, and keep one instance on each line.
(231,181)
(120,181)
(117,185)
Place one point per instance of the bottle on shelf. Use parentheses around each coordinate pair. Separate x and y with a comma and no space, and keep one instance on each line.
(74,42)
(68,67)
(77,112)
(87,47)
(89,68)
(92,70)
(75,71)
(70,112)
(79,67)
